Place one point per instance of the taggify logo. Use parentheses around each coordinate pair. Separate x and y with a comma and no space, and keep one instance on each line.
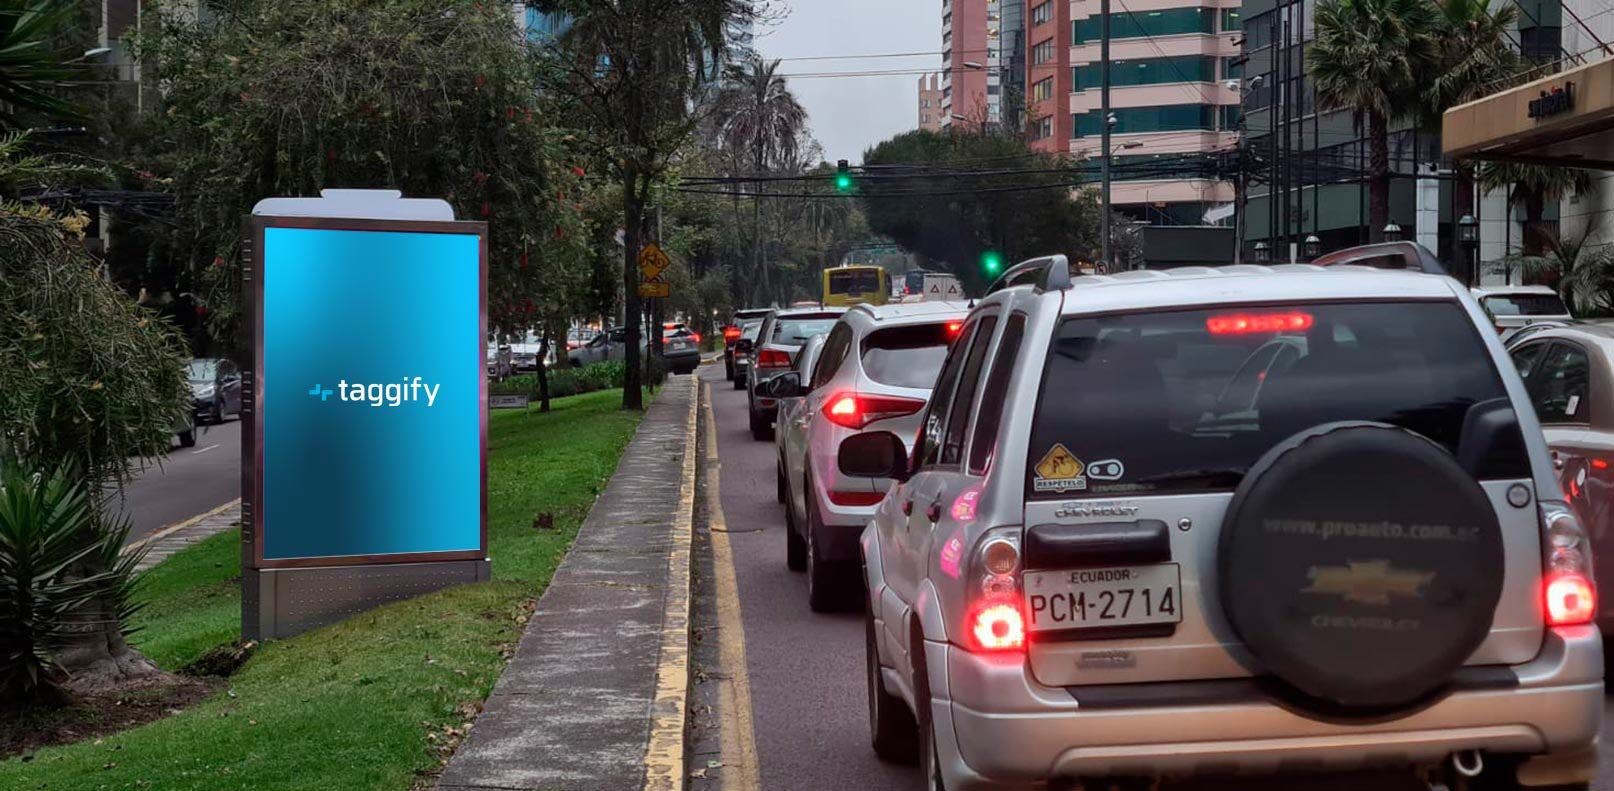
(389,394)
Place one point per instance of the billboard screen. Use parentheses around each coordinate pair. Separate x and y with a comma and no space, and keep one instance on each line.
(370,410)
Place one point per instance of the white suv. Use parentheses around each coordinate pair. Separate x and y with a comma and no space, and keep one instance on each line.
(873,374)
(1102,563)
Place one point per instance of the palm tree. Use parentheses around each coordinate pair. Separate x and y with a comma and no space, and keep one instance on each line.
(30,67)
(1532,187)
(761,117)
(1370,57)
(1474,57)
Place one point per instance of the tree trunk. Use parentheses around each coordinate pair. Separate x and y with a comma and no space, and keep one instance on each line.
(541,376)
(1378,198)
(97,658)
(632,238)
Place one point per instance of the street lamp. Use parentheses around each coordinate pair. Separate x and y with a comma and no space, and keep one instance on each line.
(1468,237)
(1392,232)
(1263,253)
(1312,247)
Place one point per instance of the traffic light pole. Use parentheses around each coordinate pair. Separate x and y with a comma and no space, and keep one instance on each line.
(1104,134)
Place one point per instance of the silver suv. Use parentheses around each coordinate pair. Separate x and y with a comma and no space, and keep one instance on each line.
(1235,520)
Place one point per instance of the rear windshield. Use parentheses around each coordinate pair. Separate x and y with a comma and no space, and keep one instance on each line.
(795,330)
(1525,305)
(905,356)
(856,281)
(748,329)
(1187,400)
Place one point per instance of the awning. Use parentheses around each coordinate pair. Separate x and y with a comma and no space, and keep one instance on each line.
(1562,119)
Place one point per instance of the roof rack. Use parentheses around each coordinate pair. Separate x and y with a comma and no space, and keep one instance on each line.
(1385,255)
(1044,274)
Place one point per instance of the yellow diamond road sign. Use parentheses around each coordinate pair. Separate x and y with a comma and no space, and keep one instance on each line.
(652,262)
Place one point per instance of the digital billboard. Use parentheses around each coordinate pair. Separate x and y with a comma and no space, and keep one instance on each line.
(369,413)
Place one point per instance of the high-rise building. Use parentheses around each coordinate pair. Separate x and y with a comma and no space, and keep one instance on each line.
(930,102)
(964,63)
(1173,115)
(1011,53)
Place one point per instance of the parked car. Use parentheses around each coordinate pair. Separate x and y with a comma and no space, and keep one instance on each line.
(1512,307)
(1568,373)
(778,339)
(525,351)
(737,353)
(679,350)
(215,388)
(874,375)
(1083,572)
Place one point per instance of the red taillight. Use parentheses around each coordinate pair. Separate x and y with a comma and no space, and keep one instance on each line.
(998,625)
(731,333)
(1258,323)
(773,358)
(856,498)
(1570,600)
(856,411)
(695,336)
(954,328)
(1599,464)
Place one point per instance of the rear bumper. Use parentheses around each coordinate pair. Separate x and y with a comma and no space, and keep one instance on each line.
(999,728)
(685,361)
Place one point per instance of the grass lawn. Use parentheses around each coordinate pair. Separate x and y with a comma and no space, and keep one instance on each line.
(369,702)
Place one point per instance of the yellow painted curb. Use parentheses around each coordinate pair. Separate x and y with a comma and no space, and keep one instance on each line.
(740,765)
(664,753)
(178,526)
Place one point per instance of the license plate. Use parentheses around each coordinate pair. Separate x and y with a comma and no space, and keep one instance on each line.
(1103,597)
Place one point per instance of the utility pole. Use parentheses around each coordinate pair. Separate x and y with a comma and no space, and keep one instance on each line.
(1104,134)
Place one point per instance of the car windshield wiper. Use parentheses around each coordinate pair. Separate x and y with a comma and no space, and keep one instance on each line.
(1223,476)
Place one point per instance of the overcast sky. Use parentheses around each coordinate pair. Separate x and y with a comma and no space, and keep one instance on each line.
(849,114)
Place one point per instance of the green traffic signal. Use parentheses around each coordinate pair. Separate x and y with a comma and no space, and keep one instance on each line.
(992,262)
(843,182)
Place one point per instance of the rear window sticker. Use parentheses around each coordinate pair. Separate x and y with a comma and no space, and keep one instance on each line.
(1059,471)
(1106,470)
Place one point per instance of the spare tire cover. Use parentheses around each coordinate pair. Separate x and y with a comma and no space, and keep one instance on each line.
(1360,565)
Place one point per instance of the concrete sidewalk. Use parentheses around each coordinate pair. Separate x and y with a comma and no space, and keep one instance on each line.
(595,696)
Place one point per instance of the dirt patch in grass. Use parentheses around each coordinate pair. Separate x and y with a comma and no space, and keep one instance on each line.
(26,729)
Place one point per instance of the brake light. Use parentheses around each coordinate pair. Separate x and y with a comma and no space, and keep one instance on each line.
(954,328)
(856,498)
(1258,323)
(731,334)
(695,336)
(1570,600)
(1599,464)
(998,625)
(773,358)
(856,411)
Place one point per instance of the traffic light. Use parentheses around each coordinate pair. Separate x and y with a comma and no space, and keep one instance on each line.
(843,177)
(991,263)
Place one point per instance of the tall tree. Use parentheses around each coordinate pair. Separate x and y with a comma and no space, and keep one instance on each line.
(286,97)
(633,70)
(1532,187)
(957,195)
(1370,57)
(761,117)
(1475,56)
(32,71)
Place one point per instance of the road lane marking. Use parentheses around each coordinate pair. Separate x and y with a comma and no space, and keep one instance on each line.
(178,526)
(204,450)
(664,752)
(740,770)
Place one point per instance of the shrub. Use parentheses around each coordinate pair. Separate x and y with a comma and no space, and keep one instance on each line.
(565,381)
(48,538)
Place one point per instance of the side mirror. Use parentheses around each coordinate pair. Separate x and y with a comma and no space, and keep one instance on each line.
(785,385)
(1490,432)
(876,454)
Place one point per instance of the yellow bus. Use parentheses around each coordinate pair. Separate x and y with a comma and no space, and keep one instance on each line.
(856,285)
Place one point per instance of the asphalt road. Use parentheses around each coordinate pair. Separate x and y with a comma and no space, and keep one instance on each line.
(809,707)
(189,481)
